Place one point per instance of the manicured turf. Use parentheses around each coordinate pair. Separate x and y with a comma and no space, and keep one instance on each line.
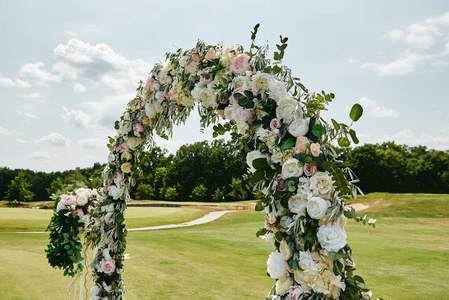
(402,258)
(25,219)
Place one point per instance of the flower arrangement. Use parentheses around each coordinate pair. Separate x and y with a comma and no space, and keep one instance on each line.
(291,152)
(71,222)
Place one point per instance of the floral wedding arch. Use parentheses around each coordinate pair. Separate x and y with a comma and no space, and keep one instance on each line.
(291,154)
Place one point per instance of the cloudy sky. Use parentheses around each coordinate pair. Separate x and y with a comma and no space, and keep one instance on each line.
(68,68)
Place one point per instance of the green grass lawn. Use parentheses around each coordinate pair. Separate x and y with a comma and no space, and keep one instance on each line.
(404,257)
(25,219)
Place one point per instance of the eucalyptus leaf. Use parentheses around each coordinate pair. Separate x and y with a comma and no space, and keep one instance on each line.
(356,112)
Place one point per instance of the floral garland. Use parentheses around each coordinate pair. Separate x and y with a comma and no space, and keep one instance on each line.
(275,122)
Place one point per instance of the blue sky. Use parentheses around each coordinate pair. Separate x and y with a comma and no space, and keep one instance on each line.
(68,68)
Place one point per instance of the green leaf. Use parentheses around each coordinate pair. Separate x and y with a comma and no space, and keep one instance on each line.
(344,142)
(257,176)
(260,163)
(318,130)
(278,236)
(249,94)
(289,143)
(356,112)
(353,136)
(259,206)
(336,125)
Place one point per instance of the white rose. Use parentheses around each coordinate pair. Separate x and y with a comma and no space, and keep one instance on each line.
(306,261)
(269,237)
(299,127)
(127,156)
(251,156)
(322,184)
(287,109)
(61,205)
(260,81)
(332,237)
(115,191)
(82,200)
(277,89)
(133,142)
(126,167)
(150,111)
(285,223)
(276,265)
(126,127)
(291,168)
(285,250)
(317,207)
(241,82)
(297,205)
(283,285)
(95,289)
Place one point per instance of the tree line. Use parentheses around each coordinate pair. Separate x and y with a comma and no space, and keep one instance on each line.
(206,171)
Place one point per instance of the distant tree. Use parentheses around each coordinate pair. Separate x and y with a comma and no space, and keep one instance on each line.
(199,193)
(171,193)
(56,188)
(144,191)
(18,190)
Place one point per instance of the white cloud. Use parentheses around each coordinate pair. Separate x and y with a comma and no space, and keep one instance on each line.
(99,64)
(40,155)
(353,60)
(4,131)
(79,88)
(8,82)
(93,143)
(32,95)
(20,141)
(109,109)
(426,45)
(394,35)
(33,72)
(409,138)
(71,34)
(77,118)
(27,110)
(444,129)
(375,110)
(406,64)
(53,139)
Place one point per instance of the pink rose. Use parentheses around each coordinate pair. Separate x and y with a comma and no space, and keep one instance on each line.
(207,76)
(281,186)
(149,85)
(296,291)
(101,200)
(315,149)
(275,229)
(196,57)
(211,54)
(111,158)
(118,178)
(242,114)
(138,129)
(300,145)
(271,219)
(240,64)
(107,266)
(123,148)
(161,96)
(221,113)
(79,213)
(275,124)
(70,200)
(232,99)
(309,170)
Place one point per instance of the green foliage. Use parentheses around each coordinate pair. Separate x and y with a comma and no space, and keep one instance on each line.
(19,189)
(171,193)
(199,193)
(64,249)
(144,191)
(56,189)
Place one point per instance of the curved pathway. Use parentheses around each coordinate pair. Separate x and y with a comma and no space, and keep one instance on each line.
(212,216)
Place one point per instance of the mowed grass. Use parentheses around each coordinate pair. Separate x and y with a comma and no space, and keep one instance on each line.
(404,257)
(25,219)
